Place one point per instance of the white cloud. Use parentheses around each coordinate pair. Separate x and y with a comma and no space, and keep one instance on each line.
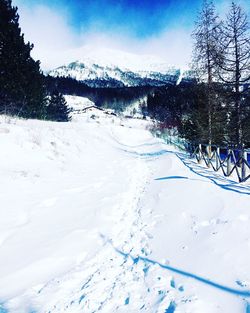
(175,46)
(57,43)
(49,31)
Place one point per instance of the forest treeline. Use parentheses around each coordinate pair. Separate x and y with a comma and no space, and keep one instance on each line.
(183,110)
(215,110)
(117,99)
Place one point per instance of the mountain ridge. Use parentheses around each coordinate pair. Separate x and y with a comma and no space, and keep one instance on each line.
(94,74)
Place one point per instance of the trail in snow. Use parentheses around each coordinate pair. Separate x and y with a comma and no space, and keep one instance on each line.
(138,228)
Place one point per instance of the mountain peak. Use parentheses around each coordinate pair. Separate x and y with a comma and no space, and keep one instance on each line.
(114,68)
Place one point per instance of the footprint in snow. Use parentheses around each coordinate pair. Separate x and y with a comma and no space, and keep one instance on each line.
(242,283)
(171,308)
(126,302)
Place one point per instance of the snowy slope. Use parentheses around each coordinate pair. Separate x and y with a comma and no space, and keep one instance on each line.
(78,103)
(98,216)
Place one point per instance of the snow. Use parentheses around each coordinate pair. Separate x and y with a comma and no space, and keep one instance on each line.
(98,215)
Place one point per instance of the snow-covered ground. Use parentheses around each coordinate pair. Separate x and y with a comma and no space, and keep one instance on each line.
(78,103)
(98,216)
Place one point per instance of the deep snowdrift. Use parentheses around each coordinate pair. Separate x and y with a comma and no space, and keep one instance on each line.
(97,215)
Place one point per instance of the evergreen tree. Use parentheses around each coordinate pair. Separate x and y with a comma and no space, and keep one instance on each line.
(235,68)
(21,83)
(57,109)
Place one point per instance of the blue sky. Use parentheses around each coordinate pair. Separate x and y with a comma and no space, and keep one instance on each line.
(158,27)
(139,18)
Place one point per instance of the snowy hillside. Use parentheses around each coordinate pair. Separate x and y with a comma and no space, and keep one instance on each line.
(78,104)
(114,68)
(96,75)
(98,216)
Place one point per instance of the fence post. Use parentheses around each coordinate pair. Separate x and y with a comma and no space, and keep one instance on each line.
(199,154)
(228,162)
(217,158)
(243,165)
(209,151)
(208,148)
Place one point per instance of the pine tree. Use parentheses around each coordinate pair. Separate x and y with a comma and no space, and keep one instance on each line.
(21,82)
(235,68)
(57,109)
(206,54)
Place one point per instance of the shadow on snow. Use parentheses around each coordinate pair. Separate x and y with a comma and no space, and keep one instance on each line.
(214,177)
(171,177)
(243,293)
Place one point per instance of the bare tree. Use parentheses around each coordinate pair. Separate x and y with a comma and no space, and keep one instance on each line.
(235,68)
(206,53)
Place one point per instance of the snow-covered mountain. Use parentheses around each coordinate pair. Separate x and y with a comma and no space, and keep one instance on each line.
(115,68)
(97,75)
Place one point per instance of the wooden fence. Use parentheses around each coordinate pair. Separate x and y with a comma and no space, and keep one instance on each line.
(229,160)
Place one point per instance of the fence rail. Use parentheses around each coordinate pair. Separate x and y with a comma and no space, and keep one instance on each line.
(229,160)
